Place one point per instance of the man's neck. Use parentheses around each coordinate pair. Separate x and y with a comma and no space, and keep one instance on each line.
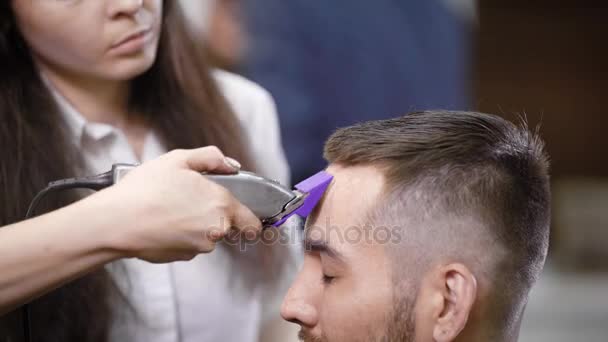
(103,101)
(486,337)
(481,332)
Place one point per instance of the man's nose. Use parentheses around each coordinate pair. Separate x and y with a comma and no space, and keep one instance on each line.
(299,305)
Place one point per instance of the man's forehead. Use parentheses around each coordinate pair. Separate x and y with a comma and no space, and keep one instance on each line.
(352,193)
(353,188)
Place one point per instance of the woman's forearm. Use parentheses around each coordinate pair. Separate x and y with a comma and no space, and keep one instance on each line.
(163,211)
(41,254)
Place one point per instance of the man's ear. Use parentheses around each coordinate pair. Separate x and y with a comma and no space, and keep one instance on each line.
(456,292)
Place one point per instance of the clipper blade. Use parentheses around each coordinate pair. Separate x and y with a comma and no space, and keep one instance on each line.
(314,187)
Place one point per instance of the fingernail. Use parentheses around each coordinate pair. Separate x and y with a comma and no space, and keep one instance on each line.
(232,163)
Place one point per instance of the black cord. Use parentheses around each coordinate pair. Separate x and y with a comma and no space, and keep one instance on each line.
(94,183)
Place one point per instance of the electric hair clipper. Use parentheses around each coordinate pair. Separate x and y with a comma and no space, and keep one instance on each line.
(270,201)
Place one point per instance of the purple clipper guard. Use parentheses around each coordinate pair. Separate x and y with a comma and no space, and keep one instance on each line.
(314,188)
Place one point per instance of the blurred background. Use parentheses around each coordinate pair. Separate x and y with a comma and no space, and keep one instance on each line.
(333,63)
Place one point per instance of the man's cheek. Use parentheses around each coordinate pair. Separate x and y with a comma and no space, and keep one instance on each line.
(343,319)
(335,317)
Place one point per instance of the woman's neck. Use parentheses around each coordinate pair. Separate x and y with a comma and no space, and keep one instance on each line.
(101,101)
(96,100)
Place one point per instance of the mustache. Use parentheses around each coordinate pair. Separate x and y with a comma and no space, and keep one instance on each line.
(305,336)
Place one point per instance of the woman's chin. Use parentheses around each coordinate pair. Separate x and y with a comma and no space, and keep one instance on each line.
(127,69)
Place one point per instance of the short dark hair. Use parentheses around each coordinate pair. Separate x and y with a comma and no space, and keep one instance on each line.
(473,163)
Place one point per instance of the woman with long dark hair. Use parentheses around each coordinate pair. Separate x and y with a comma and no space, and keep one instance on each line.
(88,83)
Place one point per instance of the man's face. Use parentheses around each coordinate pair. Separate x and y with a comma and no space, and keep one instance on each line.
(344,291)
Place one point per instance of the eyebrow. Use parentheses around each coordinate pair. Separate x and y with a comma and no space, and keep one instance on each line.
(320,246)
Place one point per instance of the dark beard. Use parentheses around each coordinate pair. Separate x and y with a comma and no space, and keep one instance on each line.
(305,336)
(400,326)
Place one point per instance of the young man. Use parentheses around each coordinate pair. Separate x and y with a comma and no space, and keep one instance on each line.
(435,228)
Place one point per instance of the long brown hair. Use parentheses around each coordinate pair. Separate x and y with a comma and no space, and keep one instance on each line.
(177,95)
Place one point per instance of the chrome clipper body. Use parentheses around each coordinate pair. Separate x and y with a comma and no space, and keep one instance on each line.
(270,201)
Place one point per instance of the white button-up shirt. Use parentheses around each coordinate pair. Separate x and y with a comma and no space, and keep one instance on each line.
(208,298)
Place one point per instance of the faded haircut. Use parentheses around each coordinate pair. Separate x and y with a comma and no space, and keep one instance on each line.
(465,164)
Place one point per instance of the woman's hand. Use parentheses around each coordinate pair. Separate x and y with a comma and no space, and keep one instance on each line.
(167,211)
